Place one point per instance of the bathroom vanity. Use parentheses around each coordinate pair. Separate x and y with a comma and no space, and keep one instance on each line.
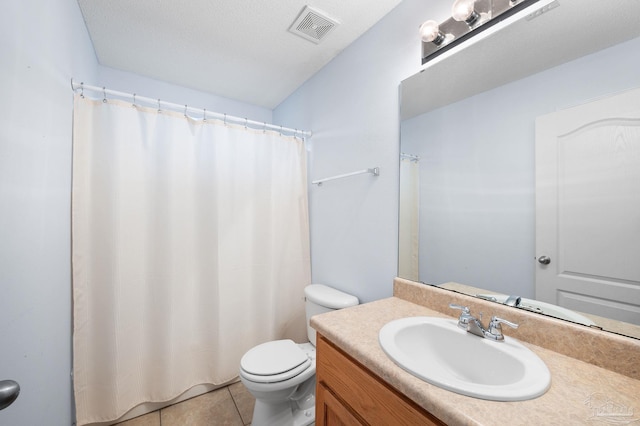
(349,394)
(595,375)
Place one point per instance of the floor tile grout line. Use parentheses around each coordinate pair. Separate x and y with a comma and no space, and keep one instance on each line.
(235,404)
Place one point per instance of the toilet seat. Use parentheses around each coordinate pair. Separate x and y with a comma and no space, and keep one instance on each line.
(274,361)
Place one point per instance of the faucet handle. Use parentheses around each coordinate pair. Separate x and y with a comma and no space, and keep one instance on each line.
(495,321)
(495,328)
(465,316)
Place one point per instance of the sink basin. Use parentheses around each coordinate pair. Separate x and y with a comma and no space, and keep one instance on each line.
(438,351)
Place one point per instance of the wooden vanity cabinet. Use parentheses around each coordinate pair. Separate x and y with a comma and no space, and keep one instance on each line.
(349,394)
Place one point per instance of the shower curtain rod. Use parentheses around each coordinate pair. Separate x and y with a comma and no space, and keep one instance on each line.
(409,156)
(206,114)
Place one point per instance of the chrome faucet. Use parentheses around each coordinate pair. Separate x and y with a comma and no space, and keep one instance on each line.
(513,301)
(473,325)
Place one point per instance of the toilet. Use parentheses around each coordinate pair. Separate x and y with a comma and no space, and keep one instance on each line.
(281,374)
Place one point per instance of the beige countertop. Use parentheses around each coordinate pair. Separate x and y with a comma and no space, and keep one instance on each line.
(580,392)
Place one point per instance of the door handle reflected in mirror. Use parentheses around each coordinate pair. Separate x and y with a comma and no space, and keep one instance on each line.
(545,260)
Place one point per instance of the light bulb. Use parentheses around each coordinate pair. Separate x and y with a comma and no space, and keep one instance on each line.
(463,10)
(430,32)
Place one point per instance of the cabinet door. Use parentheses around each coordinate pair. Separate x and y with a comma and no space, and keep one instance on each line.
(365,397)
(331,412)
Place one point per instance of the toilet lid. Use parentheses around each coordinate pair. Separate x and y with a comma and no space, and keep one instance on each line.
(281,358)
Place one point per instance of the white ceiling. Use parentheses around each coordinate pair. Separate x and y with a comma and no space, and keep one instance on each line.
(239,49)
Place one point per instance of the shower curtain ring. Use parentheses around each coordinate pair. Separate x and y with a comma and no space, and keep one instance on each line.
(82,90)
(245,123)
(104,95)
(204,114)
(159,109)
(185,111)
(134,101)
(281,130)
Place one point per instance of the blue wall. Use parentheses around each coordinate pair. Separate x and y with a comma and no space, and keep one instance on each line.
(351,106)
(42,44)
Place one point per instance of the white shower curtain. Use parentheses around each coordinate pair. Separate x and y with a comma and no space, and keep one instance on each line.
(409,231)
(190,245)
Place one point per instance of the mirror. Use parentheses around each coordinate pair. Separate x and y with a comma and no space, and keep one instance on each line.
(468,142)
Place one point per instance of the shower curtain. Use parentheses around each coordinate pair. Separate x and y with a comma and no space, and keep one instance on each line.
(409,230)
(190,245)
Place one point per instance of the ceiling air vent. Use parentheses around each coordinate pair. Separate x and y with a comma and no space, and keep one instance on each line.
(312,25)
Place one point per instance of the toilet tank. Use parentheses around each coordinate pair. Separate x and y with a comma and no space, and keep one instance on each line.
(320,299)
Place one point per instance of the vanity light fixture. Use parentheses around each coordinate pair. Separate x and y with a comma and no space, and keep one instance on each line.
(430,33)
(464,10)
(469,18)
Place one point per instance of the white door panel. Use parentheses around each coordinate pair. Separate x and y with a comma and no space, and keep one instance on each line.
(588,207)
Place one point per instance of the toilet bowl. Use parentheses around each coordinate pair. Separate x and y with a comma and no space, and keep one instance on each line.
(281,374)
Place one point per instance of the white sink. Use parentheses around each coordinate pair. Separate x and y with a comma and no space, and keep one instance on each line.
(437,351)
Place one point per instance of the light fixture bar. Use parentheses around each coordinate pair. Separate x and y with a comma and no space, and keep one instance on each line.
(489,13)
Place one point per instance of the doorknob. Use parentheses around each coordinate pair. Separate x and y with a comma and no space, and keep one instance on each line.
(9,391)
(545,260)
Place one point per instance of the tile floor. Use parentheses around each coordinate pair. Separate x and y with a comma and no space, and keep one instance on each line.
(231,405)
